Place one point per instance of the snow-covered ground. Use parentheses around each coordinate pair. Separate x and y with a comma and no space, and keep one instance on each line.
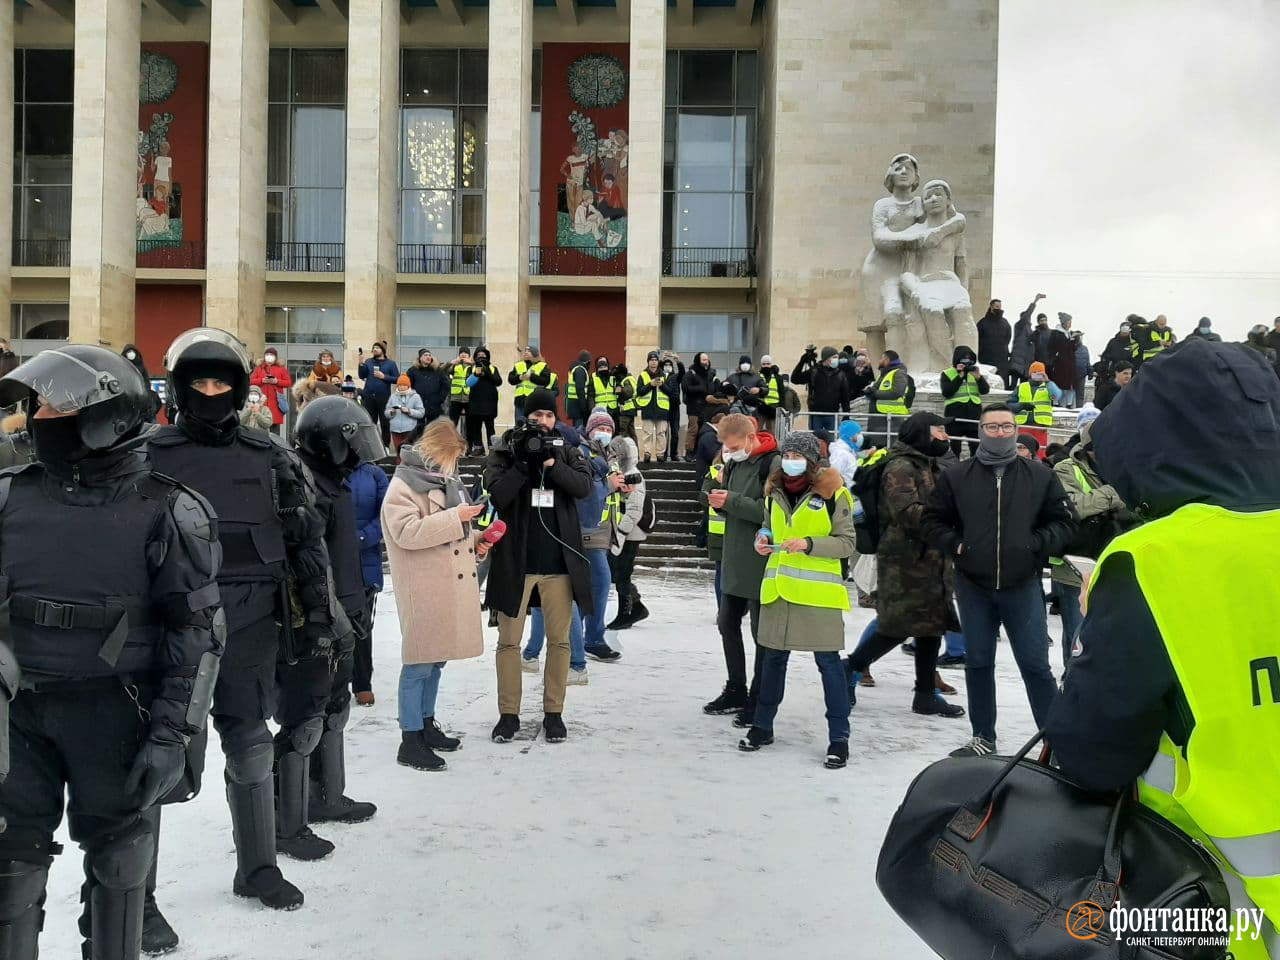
(647,834)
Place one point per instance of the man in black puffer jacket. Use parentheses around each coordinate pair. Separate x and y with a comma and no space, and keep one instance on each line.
(828,386)
(1000,517)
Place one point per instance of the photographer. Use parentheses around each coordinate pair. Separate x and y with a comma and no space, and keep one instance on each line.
(963,387)
(828,386)
(535,480)
(775,381)
(745,388)
(673,370)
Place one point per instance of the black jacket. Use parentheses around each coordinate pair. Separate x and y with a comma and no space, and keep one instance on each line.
(737,386)
(994,334)
(482,399)
(697,383)
(1118,349)
(951,384)
(510,483)
(432,386)
(705,452)
(1121,691)
(828,387)
(858,380)
(1008,528)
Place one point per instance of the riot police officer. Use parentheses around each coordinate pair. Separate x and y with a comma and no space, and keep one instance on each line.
(119,646)
(268,525)
(333,436)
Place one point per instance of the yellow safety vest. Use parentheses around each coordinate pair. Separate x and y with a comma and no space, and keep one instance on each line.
(571,391)
(664,402)
(966,393)
(1223,789)
(458,374)
(797,577)
(630,406)
(715,520)
(773,393)
(612,510)
(1157,342)
(1037,407)
(526,387)
(1085,487)
(606,396)
(897,408)
(485,520)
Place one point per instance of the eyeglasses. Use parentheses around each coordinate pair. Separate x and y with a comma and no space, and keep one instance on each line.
(996,429)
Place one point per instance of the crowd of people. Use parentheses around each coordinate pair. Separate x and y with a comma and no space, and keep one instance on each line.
(248,594)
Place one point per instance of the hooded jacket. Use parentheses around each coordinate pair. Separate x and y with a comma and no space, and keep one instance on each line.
(483,396)
(1216,441)
(698,382)
(1021,350)
(431,384)
(993,340)
(951,381)
(828,386)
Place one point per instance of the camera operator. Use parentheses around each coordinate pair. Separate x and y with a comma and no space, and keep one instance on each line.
(963,387)
(828,386)
(535,480)
(745,388)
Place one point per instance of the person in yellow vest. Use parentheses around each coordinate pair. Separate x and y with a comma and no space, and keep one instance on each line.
(604,390)
(963,387)
(625,384)
(653,396)
(459,393)
(1175,676)
(771,398)
(527,375)
(888,397)
(579,401)
(809,518)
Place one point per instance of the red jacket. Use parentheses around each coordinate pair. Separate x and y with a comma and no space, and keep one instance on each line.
(271,391)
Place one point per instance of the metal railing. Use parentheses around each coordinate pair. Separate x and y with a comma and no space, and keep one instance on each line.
(188,255)
(440,258)
(709,262)
(306,257)
(42,253)
(574,262)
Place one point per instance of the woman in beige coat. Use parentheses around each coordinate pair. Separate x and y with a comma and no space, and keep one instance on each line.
(426,523)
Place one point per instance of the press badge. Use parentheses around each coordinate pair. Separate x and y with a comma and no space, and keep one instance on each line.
(543,498)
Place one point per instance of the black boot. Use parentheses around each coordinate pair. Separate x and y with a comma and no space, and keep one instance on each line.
(157,936)
(251,798)
(415,753)
(293,837)
(623,619)
(22,887)
(553,728)
(732,699)
(329,803)
(118,890)
(506,729)
(932,704)
(638,612)
(437,739)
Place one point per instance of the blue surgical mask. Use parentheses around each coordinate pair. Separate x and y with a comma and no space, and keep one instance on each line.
(795,468)
(602,437)
(859,440)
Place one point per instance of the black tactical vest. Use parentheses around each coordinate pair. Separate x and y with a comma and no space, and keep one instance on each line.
(78,582)
(344,546)
(237,481)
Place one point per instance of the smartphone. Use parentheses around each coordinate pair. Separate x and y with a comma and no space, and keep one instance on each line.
(1084,566)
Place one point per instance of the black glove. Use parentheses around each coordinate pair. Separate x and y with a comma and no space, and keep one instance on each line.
(157,769)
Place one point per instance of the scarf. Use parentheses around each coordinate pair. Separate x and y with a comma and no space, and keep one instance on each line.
(425,477)
(997,452)
(795,486)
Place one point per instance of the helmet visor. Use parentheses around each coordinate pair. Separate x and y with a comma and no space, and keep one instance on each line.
(207,343)
(62,382)
(364,440)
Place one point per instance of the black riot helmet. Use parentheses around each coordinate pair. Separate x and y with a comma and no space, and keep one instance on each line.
(106,391)
(336,429)
(207,352)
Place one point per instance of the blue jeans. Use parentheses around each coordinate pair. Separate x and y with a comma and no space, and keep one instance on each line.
(955,639)
(538,636)
(822,421)
(1072,618)
(835,690)
(719,594)
(1069,397)
(1021,610)
(583,632)
(419,684)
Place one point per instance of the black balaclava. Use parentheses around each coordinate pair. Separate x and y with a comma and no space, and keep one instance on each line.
(915,433)
(57,439)
(215,411)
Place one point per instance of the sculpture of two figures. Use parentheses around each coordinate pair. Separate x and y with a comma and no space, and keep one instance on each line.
(915,275)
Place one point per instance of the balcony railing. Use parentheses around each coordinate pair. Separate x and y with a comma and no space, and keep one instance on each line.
(42,253)
(709,262)
(160,256)
(440,257)
(574,262)
(306,257)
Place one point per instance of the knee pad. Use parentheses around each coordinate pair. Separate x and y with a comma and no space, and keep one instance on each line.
(338,719)
(21,888)
(250,764)
(304,737)
(123,862)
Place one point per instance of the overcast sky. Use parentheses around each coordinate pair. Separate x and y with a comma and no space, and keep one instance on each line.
(1138,161)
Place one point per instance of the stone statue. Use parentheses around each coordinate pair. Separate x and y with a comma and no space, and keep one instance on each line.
(934,282)
(898,230)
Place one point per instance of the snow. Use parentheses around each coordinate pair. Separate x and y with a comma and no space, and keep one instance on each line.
(647,834)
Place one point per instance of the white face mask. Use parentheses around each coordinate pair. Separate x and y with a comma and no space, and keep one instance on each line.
(735,456)
(255,398)
(270,359)
(794,468)
(744,367)
(602,437)
(130,355)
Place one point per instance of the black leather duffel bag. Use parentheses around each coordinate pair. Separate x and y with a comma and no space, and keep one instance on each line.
(997,858)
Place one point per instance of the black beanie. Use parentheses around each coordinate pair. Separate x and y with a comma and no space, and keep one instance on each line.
(743,359)
(828,352)
(540,399)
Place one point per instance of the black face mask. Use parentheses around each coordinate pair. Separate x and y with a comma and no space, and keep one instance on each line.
(57,439)
(212,410)
(938,448)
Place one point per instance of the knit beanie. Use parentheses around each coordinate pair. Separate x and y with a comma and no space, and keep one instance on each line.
(1039,368)
(828,353)
(1030,442)
(402,380)
(803,443)
(599,419)
(540,399)
(653,355)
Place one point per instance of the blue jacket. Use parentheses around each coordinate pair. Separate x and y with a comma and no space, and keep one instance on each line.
(590,507)
(368,486)
(373,387)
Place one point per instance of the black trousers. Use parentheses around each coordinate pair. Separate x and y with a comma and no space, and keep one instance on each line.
(376,406)
(729,620)
(880,644)
(362,660)
(474,426)
(960,429)
(623,568)
(457,413)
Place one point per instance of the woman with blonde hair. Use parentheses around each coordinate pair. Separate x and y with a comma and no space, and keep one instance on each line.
(426,522)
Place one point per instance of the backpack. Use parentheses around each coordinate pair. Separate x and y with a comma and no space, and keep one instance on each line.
(866,487)
(790,400)
(649,515)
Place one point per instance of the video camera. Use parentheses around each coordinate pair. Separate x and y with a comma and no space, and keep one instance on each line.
(530,444)
(632,479)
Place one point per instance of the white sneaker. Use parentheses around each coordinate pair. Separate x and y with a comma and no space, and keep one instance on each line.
(530,665)
(577,678)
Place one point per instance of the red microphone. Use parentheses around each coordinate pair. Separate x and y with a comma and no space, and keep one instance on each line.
(495,532)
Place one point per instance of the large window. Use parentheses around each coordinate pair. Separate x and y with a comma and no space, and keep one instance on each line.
(442,331)
(42,134)
(38,326)
(709,169)
(299,333)
(306,159)
(724,336)
(535,153)
(444,105)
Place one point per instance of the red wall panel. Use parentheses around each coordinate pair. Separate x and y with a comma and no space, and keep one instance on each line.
(573,321)
(163,312)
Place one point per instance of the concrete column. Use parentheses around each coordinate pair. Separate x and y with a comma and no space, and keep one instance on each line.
(236,259)
(507,181)
(104,172)
(648,57)
(6,163)
(373,150)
